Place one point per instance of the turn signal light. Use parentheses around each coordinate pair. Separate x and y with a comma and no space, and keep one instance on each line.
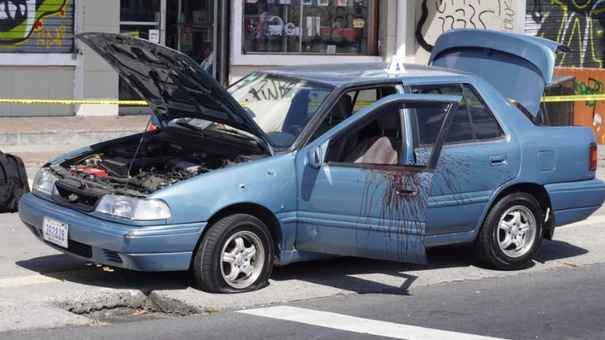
(592,161)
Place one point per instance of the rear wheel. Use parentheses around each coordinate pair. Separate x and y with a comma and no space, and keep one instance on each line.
(511,233)
(236,255)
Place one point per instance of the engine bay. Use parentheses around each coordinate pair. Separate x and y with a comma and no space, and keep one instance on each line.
(139,166)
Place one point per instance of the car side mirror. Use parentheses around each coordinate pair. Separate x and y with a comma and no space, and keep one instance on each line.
(315,157)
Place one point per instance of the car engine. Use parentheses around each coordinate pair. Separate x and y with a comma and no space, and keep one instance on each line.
(139,167)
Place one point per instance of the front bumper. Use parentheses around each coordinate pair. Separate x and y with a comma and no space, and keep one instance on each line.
(137,247)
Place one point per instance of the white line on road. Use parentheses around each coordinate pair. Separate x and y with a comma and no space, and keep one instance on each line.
(358,325)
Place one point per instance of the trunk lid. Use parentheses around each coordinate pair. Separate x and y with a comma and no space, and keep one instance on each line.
(518,66)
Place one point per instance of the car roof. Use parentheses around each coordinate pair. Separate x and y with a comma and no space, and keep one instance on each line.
(340,75)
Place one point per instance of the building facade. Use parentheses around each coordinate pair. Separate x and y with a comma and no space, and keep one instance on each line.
(41,59)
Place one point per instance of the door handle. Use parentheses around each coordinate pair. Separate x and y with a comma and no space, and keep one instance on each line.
(497,160)
(399,191)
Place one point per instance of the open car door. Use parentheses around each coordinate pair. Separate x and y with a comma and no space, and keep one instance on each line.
(362,189)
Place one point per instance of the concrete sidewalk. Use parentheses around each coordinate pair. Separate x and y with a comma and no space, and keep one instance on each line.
(38,139)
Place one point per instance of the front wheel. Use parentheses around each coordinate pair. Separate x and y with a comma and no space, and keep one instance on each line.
(236,255)
(511,233)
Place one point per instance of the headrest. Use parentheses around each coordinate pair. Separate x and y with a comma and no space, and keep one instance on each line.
(389,121)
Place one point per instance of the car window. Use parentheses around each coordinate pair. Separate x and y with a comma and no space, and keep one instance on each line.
(280,106)
(350,103)
(367,96)
(427,121)
(484,124)
(376,140)
(380,139)
(473,120)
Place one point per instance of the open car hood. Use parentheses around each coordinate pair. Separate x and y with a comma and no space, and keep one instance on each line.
(174,85)
(519,66)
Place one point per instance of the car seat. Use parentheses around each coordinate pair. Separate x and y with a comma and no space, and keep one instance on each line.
(380,149)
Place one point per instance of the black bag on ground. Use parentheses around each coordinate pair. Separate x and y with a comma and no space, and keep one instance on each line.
(13,182)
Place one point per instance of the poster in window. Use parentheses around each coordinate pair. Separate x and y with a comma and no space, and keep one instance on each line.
(323,2)
(341,3)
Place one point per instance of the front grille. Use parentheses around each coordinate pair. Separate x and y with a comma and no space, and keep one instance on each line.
(71,193)
(79,249)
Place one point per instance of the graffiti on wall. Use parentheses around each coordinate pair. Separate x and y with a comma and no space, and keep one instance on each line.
(438,16)
(589,87)
(36,26)
(588,81)
(577,24)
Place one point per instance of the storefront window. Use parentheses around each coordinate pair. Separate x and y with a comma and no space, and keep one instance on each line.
(141,19)
(139,10)
(189,27)
(310,26)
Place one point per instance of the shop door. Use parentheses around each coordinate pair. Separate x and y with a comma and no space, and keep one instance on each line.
(141,19)
(190,27)
(200,29)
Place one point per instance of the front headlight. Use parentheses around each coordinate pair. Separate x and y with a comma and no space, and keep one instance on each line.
(134,208)
(44,182)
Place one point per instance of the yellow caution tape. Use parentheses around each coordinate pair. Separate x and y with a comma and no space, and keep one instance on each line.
(548,99)
(72,102)
(574,98)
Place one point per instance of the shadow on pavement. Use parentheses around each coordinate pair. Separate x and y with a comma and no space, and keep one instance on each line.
(557,250)
(347,273)
(66,268)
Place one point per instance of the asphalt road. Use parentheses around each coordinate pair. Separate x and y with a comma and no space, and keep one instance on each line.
(43,289)
(563,303)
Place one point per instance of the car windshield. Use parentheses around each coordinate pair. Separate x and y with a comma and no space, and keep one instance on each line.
(280,106)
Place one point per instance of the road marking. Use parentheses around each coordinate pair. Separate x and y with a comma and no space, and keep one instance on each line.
(358,325)
(25,280)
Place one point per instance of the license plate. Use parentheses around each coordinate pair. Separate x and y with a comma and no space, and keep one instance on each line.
(55,232)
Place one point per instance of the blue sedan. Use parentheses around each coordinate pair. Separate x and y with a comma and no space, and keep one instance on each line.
(295,163)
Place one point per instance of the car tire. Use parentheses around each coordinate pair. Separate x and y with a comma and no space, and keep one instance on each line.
(235,255)
(511,233)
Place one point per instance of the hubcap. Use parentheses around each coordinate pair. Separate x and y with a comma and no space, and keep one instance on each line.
(243,259)
(517,231)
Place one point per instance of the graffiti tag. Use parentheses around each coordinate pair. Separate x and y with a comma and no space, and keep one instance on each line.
(594,86)
(577,25)
(439,16)
(271,90)
(34,26)
(47,38)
